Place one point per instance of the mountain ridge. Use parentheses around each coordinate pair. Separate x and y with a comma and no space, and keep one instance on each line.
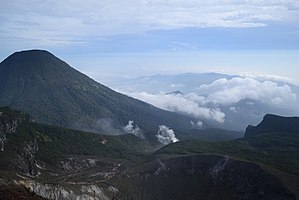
(274,123)
(52,92)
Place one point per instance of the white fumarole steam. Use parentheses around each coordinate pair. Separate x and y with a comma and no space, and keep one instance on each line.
(129,128)
(166,135)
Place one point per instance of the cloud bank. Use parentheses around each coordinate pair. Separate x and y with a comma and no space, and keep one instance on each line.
(188,104)
(205,104)
(228,92)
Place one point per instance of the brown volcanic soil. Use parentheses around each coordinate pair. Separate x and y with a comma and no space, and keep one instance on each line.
(16,192)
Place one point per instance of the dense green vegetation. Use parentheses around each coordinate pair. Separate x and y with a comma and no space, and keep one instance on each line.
(57,143)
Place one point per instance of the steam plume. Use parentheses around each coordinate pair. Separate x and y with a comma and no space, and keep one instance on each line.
(129,128)
(166,135)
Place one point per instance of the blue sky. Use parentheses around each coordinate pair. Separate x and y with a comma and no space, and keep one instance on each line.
(140,37)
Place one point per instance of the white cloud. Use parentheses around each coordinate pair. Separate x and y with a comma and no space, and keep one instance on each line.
(269,77)
(71,21)
(228,92)
(181,103)
(205,105)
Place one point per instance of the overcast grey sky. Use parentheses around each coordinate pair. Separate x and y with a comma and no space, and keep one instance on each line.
(138,37)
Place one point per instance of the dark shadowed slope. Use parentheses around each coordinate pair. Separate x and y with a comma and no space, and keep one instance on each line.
(274,123)
(52,92)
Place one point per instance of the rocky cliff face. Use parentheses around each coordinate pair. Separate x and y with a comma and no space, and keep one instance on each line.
(27,158)
(274,123)
(10,121)
(205,177)
(73,191)
(8,124)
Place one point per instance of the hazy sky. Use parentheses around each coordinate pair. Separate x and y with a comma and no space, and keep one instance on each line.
(105,38)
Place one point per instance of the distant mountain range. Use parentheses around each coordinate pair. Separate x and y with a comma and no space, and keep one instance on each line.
(52,92)
(233,100)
